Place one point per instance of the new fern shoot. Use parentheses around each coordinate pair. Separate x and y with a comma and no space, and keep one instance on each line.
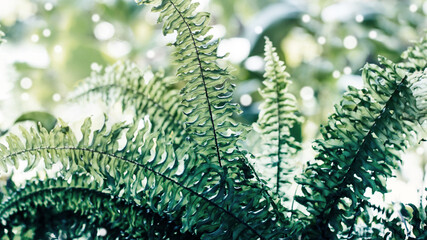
(178,171)
(276,118)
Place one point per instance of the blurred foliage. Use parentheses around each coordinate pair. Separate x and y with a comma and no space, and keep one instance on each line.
(46,120)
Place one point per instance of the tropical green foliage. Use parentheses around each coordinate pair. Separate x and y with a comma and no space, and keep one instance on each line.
(181,172)
(362,143)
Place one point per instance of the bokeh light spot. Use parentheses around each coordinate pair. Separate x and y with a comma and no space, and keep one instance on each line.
(258,29)
(26,83)
(56,97)
(254,63)
(35,38)
(306,18)
(321,40)
(359,18)
(46,32)
(307,93)
(245,100)
(104,31)
(373,34)
(48,6)
(413,8)
(95,18)
(347,70)
(336,74)
(350,42)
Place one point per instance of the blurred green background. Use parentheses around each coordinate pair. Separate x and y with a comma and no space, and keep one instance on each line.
(52,45)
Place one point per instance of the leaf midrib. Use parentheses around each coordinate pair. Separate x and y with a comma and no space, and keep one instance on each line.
(365,141)
(199,61)
(279,133)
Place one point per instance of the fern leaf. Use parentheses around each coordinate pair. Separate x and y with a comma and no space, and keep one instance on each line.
(92,207)
(276,118)
(149,171)
(361,145)
(415,61)
(207,94)
(141,91)
(415,56)
(418,86)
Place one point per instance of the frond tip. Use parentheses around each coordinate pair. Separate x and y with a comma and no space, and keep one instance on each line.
(418,86)
(207,95)
(276,118)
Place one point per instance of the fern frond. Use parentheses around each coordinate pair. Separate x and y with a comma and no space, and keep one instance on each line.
(276,118)
(416,62)
(149,171)
(415,56)
(207,99)
(361,145)
(92,207)
(418,86)
(124,82)
(207,94)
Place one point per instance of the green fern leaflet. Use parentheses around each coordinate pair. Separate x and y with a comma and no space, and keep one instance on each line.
(276,118)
